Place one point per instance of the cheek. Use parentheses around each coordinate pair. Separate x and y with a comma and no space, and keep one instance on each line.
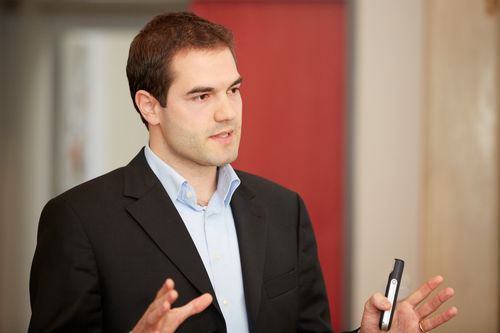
(238,109)
(178,116)
(187,129)
(238,101)
(173,126)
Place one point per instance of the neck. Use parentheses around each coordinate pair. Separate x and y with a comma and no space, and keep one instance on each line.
(202,178)
(204,184)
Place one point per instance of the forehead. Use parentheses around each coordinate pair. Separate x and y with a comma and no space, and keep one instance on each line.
(203,67)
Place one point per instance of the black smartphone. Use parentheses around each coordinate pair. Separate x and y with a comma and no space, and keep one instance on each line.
(391,292)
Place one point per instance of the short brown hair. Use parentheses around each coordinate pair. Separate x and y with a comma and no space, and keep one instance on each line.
(152,50)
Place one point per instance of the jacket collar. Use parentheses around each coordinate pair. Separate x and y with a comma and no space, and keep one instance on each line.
(251,227)
(156,214)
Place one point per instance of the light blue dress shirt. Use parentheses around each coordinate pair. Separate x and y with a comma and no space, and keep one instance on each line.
(214,235)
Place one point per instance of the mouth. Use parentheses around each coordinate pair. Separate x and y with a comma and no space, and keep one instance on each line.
(223,136)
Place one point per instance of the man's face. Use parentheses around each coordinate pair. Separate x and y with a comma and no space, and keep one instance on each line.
(201,124)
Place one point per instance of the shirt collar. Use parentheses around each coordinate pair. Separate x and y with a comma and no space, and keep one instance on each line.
(179,189)
(227,182)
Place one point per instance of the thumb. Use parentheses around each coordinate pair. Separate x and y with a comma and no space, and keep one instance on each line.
(377,303)
(371,315)
(180,314)
(196,305)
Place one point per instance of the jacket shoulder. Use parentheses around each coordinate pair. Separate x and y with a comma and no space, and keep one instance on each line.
(102,185)
(263,186)
(113,184)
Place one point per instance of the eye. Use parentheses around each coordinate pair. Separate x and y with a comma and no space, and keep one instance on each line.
(200,98)
(234,90)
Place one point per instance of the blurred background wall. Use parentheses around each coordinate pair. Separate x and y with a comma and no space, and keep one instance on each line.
(386,145)
(460,221)
(422,137)
(425,150)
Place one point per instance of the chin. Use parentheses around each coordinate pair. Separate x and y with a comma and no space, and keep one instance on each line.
(228,160)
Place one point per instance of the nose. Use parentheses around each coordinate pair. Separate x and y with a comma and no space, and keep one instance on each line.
(227,109)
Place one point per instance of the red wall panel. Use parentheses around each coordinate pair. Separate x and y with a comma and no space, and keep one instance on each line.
(291,55)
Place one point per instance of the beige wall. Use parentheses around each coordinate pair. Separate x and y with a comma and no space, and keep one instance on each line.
(425,151)
(461,234)
(387,147)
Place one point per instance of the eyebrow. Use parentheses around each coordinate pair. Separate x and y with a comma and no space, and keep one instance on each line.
(201,89)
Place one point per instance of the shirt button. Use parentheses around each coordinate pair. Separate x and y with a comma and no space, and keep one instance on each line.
(225,302)
(217,257)
(189,194)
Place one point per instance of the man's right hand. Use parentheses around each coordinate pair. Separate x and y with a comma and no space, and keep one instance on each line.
(161,317)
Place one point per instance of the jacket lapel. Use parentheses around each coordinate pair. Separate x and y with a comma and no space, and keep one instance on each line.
(158,217)
(251,228)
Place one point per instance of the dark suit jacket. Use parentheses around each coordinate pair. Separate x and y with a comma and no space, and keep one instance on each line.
(105,247)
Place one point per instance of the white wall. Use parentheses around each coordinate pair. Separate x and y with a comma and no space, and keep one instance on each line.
(26,159)
(29,108)
(100,129)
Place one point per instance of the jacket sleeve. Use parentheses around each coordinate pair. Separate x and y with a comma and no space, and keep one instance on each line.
(64,283)
(314,308)
(314,313)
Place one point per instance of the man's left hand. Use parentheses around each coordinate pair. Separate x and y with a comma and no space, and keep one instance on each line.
(415,314)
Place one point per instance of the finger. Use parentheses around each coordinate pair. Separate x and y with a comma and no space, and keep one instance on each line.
(178,315)
(166,287)
(376,303)
(433,322)
(153,316)
(424,291)
(166,294)
(429,307)
(157,312)
(160,306)
(172,296)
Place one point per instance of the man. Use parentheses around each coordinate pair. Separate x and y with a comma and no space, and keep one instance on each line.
(240,249)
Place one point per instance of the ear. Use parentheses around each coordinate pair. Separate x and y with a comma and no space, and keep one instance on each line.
(148,106)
